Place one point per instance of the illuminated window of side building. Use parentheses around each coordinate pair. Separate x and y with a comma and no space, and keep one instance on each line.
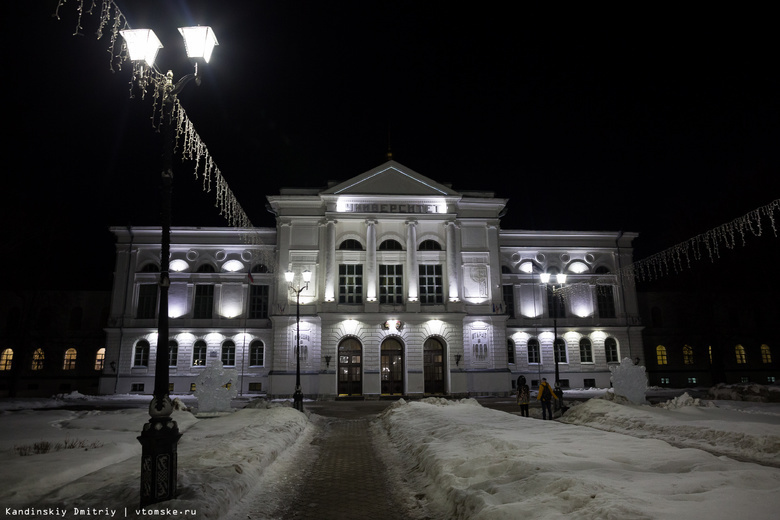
(660,355)
(766,354)
(37,360)
(100,359)
(688,355)
(69,363)
(6,359)
(739,351)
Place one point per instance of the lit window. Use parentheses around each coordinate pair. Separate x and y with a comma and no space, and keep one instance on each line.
(199,353)
(430,284)
(6,359)
(611,350)
(258,302)
(37,361)
(691,380)
(70,359)
(586,351)
(228,354)
(709,350)
(204,301)
(739,351)
(350,283)
(664,380)
(100,359)
(660,354)
(391,283)
(766,354)
(559,349)
(256,354)
(770,379)
(255,387)
(173,353)
(533,351)
(141,355)
(688,355)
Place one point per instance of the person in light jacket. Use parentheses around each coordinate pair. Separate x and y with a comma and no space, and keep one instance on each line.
(546,395)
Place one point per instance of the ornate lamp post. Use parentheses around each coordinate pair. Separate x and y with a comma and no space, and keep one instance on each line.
(161,434)
(289,276)
(561,279)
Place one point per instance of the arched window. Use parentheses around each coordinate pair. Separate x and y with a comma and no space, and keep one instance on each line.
(390,245)
(199,353)
(69,363)
(141,354)
(37,360)
(559,349)
(739,350)
(6,359)
(429,245)
(533,351)
(660,355)
(766,354)
(100,359)
(611,350)
(257,353)
(173,353)
(688,355)
(229,354)
(510,351)
(206,268)
(351,244)
(586,351)
(150,268)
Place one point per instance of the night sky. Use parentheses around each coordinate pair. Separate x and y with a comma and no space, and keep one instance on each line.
(661,122)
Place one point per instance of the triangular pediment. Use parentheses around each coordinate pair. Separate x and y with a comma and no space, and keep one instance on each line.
(391,178)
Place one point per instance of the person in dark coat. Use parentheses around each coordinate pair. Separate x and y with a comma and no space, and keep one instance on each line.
(546,395)
(523,396)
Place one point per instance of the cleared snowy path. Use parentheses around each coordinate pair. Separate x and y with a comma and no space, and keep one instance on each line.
(338,476)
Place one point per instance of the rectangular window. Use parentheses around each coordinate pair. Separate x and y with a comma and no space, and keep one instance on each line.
(533,351)
(137,387)
(350,283)
(589,383)
(664,380)
(170,388)
(204,302)
(391,284)
(192,387)
(229,355)
(564,383)
(770,379)
(605,298)
(147,301)
(586,351)
(256,354)
(258,302)
(431,284)
(509,299)
(556,308)
(255,387)
(691,380)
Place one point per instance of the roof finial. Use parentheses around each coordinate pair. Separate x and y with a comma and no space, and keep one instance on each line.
(389,148)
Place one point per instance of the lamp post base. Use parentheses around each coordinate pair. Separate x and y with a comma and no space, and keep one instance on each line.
(159,464)
(298,399)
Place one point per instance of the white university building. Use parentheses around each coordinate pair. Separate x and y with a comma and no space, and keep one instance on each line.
(415,290)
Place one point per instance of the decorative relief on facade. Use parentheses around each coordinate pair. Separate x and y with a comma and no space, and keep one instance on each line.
(479,346)
(475,283)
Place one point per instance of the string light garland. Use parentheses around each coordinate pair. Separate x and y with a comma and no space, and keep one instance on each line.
(189,144)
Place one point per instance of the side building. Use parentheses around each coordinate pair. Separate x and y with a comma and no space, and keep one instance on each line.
(414,290)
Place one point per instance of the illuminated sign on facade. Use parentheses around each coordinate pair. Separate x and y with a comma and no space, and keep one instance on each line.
(349,207)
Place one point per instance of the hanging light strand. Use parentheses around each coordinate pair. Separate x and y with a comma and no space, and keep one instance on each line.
(188,143)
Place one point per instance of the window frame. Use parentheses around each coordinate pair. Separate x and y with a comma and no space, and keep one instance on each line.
(391,284)
(430,284)
(351,284)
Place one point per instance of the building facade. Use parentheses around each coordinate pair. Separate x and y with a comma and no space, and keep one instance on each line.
(415,290)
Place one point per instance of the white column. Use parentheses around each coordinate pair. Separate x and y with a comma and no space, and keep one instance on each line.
(411,260)
(453,267)
(282,289)
(330,261)
(371,260)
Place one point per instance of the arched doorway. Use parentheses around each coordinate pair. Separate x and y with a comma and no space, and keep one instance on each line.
(392,367)
(350,367)
(433,366)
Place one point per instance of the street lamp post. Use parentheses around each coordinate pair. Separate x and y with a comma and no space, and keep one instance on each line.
(561,279)
(160,434)
(289,276)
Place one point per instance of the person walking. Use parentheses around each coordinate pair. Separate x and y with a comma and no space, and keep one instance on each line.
(546,395)
(523,396)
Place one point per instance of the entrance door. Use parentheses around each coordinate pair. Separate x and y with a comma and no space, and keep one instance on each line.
(392,367)
(350,367)
(433,366)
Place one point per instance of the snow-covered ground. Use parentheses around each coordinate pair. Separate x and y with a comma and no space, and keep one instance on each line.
(604,459)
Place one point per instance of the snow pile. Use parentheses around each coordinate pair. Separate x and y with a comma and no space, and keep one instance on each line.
(484,464)
(680,402)
(630,381)
(746,392)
